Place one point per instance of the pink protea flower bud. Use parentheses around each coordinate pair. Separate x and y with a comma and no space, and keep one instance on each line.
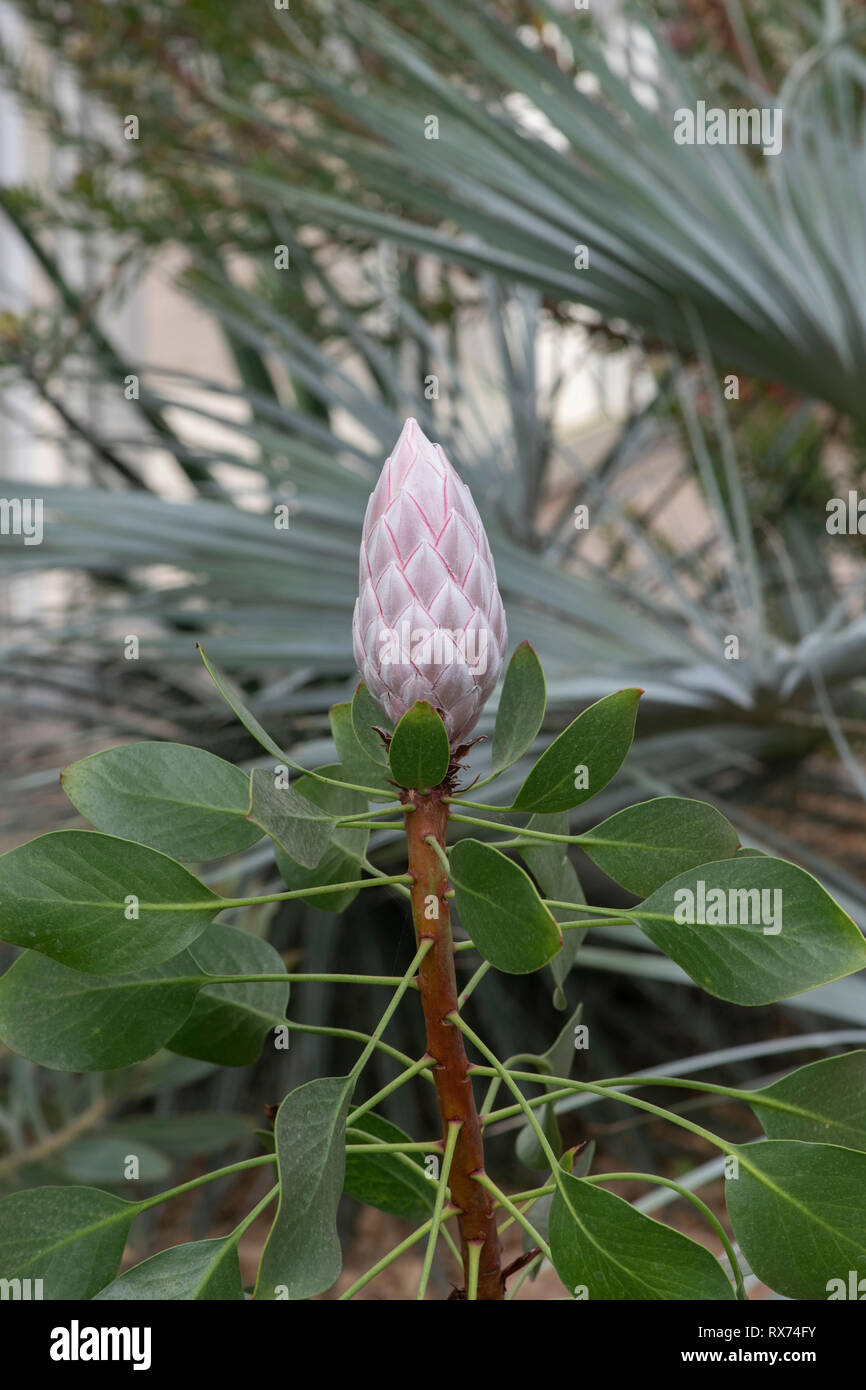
(429,623)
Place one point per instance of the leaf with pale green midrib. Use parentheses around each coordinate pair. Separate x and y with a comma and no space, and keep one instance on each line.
(391,1182)
(500,909)
(798,1211)
(344,856)
(644,846)
(204,1270)
(598,739)
(818,942)
(824,1102)
(521,708)
(181,800)
(298,826)
(67,894)
(601,1242)
(229,1023)
(71,1021)
(420,753)
(302,1253)
(70,1237)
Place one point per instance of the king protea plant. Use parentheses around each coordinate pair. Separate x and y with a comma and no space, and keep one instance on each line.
(122,946)
(429,633)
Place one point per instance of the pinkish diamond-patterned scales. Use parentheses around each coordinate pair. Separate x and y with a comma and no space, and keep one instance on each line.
(413,448)
(458,545)
(426,570)
(406,524)
(378,551)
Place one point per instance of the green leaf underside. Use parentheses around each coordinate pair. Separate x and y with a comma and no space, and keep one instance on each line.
(798,1211)
(501,910)
(341,861)
(420,751)
(557,877)
(601,1243)
(644,846)
(229,1023)
(356,762)
(204,1270)
(825,1103)
(818,942)
(66,894)
(70,1237)
(183,801)
(367,717)
(385,1180)
(521,708)
(598,740)
(297,825)
(302,1255)
(71,1021)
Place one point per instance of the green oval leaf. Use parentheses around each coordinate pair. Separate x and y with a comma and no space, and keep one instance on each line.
(367,717)
(74,896)
(391,1182)
(420,752)
(645,846)
(553,871)
(602,1244)
(501,910)
(799,1213)
(202,1270)
(824,1102)
(302,1255)
(70,1237)
(340,862)
(180,800)
(781,932)
(71,1021)
(355,760)
(584,758)
(229,1023)
(298,826)
(521,708)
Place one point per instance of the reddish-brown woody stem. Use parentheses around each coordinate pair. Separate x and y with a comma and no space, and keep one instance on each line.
(438,989)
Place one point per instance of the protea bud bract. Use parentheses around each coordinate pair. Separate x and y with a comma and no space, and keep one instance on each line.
(429,622)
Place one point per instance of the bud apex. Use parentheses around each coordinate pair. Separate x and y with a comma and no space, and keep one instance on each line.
(429,623)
